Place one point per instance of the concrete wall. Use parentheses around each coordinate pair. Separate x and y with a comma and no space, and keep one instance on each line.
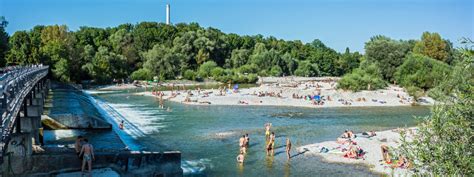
(135,163)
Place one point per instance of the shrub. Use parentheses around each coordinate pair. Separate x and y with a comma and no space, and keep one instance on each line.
(190,75)
(368,78)
(206,68)
(248,68)
(142,74)
(216,72)
(276,71)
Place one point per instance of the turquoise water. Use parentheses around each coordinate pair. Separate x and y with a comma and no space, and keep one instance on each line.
(194,131)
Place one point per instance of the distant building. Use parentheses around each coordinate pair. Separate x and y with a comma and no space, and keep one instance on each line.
(168,14)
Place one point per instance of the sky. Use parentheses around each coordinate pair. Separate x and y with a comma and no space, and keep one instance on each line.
(338,23)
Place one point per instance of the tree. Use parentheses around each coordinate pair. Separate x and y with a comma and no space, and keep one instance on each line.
(387,54)
(162,62)
(421,71)
(307,69)
(3,40)
(443,143)
(432,45)
(239,57)
(19,53)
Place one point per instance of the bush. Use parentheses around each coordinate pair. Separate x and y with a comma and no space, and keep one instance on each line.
(216,72)
(249,68)
(368,78)
(142,74)
(276,71)
(206,68)
(421,71)
(190,75)
(252,78)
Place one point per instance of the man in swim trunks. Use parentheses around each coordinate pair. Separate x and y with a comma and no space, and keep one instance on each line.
(242,144)
(88,152)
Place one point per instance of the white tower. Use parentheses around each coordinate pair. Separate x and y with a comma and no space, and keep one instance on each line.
(168,14)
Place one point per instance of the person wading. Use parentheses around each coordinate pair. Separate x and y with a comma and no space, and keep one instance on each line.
(88,155)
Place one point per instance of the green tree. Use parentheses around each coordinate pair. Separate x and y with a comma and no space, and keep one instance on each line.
(3,40)
(367,77)
(307,69)
(162,62)
(20,49)
(239,57)
(421,71)
(206,68)
(432,45)
(443,144)
(387,54)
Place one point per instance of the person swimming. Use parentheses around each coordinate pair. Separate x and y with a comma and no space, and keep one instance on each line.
(121,125)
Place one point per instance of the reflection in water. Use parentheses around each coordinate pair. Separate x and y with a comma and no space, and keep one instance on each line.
(240,168)
(270,162)
(287,168)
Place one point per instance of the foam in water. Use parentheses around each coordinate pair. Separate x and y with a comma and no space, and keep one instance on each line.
(195,166)
(139,120)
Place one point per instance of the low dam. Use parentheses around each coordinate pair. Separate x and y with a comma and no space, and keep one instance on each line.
(41,121)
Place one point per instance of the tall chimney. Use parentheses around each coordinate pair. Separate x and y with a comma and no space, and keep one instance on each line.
(168,14)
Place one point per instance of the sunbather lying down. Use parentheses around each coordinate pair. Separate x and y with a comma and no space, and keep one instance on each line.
(205,102)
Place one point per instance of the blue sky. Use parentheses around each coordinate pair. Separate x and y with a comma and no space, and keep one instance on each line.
(338,23)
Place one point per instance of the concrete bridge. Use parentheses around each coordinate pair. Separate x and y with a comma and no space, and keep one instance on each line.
(23,90)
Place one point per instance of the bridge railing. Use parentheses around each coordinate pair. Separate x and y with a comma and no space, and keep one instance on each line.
(15,84)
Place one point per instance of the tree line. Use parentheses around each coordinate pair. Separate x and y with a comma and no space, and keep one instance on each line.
(149,49)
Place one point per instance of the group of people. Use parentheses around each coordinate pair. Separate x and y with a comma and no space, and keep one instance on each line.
(401,161)
(269,94)
(351,149)
(244,143)
(85,152)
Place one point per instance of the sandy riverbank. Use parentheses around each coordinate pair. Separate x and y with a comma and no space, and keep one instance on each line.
(331,97)
(373,157)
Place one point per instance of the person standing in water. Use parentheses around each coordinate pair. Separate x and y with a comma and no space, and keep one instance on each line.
(247,141)
(288,147)
(242,144)
(88,155)
(267,130)
(271,144)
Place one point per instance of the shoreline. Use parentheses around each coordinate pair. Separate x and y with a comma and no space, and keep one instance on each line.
(330,97)
(373,157)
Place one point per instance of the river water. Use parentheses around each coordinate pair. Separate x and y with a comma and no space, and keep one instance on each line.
(208,136)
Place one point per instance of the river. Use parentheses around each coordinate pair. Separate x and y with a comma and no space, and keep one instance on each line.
(208,136)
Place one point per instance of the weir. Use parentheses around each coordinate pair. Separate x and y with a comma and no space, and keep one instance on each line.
(23,92)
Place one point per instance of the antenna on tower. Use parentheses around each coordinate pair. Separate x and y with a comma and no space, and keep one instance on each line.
(168,14)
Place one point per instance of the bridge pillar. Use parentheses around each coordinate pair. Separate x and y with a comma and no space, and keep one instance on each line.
(18,154)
